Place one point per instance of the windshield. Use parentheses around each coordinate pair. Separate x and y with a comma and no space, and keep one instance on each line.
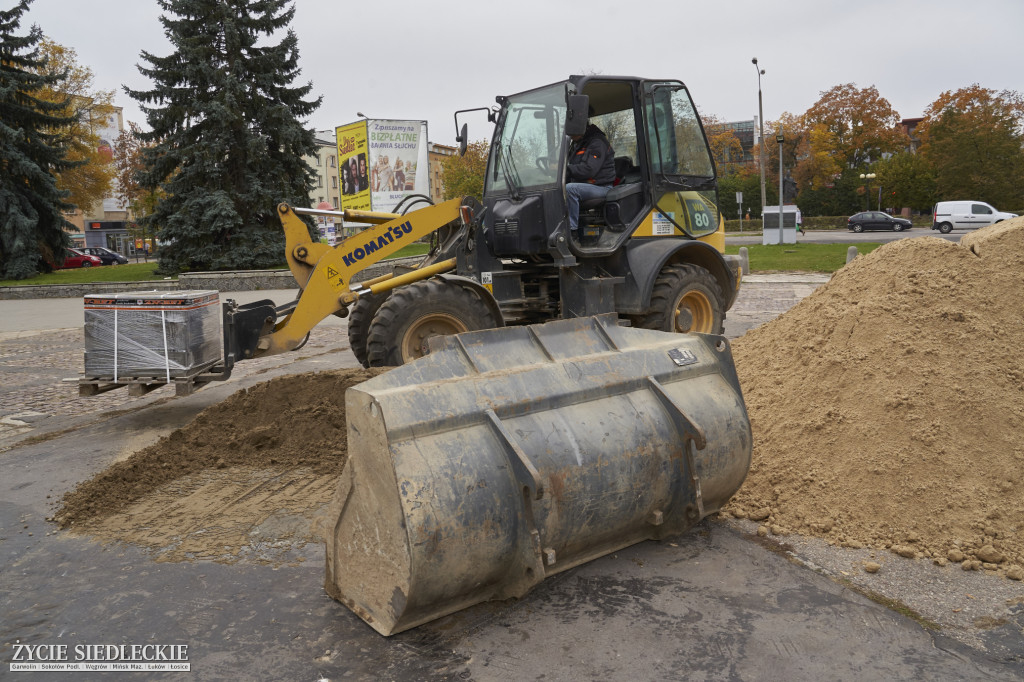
(528,149)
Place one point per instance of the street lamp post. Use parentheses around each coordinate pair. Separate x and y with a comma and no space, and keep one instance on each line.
(760,122)
(779,137)
(867,178)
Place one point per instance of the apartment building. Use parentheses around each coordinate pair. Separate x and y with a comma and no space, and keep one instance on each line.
(324,161)
(436,154)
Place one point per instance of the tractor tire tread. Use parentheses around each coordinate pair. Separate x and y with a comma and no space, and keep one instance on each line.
(383,348)
(665,292)
(360,318)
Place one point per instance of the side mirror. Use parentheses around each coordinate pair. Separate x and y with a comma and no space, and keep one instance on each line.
(463,139)
(576,116)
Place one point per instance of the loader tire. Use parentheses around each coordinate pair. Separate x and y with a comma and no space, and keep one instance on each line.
(415,313)
(360,317)
(685,298)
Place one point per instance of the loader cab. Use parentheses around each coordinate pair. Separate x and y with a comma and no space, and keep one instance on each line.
(665,177)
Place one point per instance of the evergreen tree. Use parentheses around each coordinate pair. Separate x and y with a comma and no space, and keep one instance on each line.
(32,224)
(227,142)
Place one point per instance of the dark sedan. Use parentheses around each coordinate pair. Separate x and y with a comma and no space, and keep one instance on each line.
(876,220)
(106,256)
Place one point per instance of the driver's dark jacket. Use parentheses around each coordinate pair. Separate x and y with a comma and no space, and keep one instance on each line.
(591,159)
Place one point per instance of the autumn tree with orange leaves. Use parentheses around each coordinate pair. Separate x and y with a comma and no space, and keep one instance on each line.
(847,130)
(89,179)
(862,124)
(726,148)
(129,164)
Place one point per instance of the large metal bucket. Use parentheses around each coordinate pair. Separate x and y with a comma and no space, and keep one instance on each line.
(507,455)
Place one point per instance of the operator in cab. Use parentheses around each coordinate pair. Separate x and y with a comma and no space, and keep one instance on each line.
(590,171)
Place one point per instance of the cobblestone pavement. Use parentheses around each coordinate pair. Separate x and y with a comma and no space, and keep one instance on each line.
(40,369)
(764,297)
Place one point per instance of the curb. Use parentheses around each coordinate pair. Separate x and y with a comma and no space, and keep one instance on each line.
(241,280)
(269,280)
(787,278)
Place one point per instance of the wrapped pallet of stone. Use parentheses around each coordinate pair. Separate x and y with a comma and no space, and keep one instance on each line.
(159,334)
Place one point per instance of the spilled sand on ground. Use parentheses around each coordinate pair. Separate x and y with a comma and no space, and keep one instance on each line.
(887,407)
(245,479)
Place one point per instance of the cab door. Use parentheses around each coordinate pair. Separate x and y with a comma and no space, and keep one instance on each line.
(684,187)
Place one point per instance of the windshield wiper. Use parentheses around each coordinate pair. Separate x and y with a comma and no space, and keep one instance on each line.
(508,169)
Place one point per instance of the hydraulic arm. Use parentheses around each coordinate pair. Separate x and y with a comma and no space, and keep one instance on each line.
(324,274)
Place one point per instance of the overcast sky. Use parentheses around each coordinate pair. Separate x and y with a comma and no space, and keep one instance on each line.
(416,59)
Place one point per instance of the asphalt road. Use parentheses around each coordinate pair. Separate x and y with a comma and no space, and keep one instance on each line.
(712,604)
(846,237)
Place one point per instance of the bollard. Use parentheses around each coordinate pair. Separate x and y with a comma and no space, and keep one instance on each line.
(745,260)
(851,253)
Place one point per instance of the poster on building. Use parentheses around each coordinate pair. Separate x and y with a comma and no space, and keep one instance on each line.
(398,150)
(353,166)
(381,162)
(108,132)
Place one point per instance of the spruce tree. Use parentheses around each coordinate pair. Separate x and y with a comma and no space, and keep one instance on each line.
(32,223)
(227,141)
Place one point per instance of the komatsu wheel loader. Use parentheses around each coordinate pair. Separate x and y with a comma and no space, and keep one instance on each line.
(651,252)
(545,410)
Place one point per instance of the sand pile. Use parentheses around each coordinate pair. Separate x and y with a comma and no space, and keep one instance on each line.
(888,406)
(250,470)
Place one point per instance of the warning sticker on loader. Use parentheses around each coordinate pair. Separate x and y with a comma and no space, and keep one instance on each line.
(662,224)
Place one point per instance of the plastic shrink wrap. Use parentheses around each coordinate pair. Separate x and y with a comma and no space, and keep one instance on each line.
(160,334)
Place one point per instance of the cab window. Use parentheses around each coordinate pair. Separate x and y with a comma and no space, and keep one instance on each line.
(613,104)
(981,209)
(530,143)
(678,146)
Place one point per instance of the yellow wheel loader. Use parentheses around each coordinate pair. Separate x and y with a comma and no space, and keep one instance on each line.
(651,252)
(544,410)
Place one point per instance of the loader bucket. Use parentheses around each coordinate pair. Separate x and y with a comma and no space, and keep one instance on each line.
(511,454)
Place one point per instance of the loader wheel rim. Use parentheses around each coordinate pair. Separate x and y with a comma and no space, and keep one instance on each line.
(694,313)
(414,344)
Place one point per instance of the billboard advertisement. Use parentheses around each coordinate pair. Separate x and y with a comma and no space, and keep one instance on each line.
(384,161)
(353,166)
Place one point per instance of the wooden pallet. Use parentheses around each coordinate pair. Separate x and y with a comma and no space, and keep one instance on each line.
(141,385)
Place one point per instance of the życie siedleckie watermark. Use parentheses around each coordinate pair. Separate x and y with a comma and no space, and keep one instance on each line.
(99,657)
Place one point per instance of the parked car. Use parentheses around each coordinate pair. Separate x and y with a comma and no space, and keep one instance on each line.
(876,220)
(965,215)
(105,255)
(76,259)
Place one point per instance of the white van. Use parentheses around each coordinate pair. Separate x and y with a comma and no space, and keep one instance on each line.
(965,215)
